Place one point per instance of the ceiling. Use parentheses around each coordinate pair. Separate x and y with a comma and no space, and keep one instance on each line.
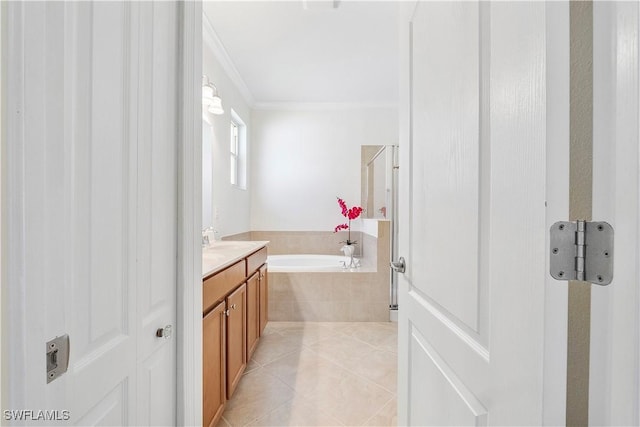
(310,51)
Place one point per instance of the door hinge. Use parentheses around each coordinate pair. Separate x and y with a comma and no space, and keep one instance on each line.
(582,250)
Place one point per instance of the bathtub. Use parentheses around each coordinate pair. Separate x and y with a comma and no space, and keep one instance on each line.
(317,288)
(306,263)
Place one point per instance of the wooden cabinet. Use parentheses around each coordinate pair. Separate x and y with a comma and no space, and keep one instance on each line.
(236,337)
(264,297)
(253,313)
(256,260)
(234,304)
(214,364)
(218,286)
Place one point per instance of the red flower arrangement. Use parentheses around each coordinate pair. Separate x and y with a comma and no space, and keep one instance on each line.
(350,213)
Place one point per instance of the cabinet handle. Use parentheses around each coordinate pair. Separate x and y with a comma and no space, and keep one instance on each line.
(233,306)
(227,312)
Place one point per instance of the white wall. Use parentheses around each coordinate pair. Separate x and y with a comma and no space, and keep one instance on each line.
(302,160)
(231,205)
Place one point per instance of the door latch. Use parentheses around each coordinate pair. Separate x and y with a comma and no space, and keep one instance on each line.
(582,250)
(399,265)
(57,357)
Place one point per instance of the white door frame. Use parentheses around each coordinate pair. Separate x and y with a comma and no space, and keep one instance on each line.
(189,274)
(189,283)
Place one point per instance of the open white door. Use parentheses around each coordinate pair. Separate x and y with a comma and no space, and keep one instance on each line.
(485,128)
(92,209)
(614,389)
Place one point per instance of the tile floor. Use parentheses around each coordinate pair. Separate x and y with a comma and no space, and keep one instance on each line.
(319,374)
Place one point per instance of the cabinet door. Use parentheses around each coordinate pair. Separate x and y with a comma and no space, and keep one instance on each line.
(236,337)
(253,310)
(213,365)
(264,298)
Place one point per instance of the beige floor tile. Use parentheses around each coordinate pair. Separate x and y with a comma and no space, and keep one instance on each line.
(351,399)
(387,416)
(258,393)
(373,333)
(319,374)
(379,366)
(309,333)
(390,344)
(306,372)
(297,412)
(341,349)
(252,366)
(274,346)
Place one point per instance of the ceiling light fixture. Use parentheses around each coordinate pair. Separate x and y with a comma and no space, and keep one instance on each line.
(210,98)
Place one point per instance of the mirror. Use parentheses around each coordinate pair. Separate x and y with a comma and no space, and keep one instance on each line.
(207,175)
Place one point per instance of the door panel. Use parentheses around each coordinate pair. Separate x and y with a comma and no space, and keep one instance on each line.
(110,411)
(236,337)
(214,364)
(98,165)
(446,132)
(472,196)
(99,195)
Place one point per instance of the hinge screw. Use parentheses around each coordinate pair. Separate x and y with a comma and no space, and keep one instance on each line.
(561,227)
(561,273)
(600,227)
(555,250)
(599,278)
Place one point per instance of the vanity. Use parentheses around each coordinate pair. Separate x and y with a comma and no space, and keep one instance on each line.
(234,315)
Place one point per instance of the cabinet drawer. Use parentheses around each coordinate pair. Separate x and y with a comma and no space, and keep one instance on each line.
(216,287)
(255,260)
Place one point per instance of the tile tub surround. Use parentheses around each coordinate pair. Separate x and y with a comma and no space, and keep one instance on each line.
(319,374)
(328,297)
(301,242)
(345,296)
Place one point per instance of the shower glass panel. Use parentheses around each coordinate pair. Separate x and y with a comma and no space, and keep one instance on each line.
(380,196)
(378,180)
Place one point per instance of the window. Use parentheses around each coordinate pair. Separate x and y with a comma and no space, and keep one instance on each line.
(234,153)
(237,152)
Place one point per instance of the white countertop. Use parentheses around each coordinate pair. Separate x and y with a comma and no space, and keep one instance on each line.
(223,253)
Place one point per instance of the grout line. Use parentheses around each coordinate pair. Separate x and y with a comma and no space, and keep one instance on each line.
(271,411)
(380,410)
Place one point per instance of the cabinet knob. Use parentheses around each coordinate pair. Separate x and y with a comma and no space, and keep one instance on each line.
(233,306)
(227,312)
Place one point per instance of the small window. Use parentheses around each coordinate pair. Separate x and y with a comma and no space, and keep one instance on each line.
(234,153)
(238,152)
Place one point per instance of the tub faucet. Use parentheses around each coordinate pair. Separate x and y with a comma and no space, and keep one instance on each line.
(348,252)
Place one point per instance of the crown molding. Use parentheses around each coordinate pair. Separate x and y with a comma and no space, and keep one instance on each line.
(212,41)
(320,106)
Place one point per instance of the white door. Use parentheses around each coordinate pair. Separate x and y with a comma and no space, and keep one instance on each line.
(92,208)
(485,126)
(614,389)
